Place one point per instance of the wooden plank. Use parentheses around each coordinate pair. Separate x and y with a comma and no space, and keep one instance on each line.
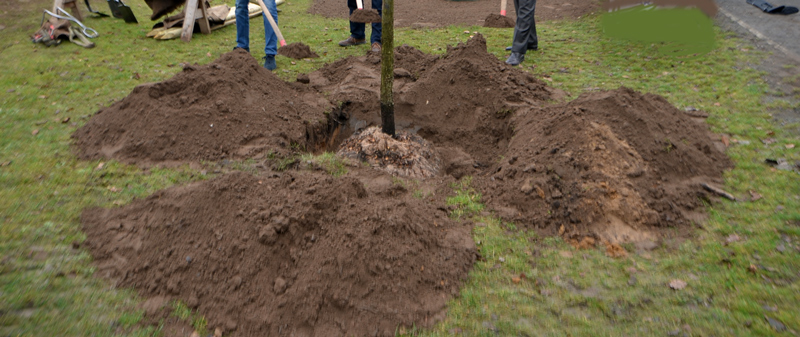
(188,20)
(205,27)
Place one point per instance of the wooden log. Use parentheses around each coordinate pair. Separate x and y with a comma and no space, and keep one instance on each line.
(188,20)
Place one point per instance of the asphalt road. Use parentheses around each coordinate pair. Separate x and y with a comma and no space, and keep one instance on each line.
(781,32)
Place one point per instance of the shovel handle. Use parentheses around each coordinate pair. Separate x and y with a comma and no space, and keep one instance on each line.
(272,22)
(360,4)
(503,4)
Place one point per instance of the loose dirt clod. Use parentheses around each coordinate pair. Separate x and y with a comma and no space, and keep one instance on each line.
(288,254)
(297,50)
(365,16)
(498,21)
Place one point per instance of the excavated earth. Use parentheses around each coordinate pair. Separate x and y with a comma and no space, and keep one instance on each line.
(300,252)
(232,108)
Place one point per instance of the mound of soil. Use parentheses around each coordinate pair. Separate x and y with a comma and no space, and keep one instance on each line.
(498,21)
(460,100)
(295,254)
(405,154)
(297,50)
(230,108)
(365,16)
(609,164)
(442,13)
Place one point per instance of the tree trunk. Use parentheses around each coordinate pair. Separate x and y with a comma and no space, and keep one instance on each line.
(387,68)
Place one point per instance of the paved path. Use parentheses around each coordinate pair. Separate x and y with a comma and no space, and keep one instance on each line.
(781,32)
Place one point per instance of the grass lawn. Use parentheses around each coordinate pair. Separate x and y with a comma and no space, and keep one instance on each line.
(741,267)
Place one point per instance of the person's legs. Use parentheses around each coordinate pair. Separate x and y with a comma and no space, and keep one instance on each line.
(271,47)
(376,26)
(522,30)
(356,28)
(533,40)
(242,25)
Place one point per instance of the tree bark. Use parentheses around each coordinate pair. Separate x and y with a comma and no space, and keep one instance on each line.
(387,68)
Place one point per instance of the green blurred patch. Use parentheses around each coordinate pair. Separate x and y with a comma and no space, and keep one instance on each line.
(680,31)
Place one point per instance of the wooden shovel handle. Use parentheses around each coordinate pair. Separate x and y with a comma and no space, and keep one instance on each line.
(503,4)
(272,22)
(361,4)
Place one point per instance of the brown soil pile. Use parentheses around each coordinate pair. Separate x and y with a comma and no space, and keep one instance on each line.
(290,254)
(498,21)
(230,108)
(442,13)
(405,154)
(461,100)
(365,16)
(608,164)
(297,50)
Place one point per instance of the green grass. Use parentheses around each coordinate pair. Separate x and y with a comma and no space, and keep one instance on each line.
(327,161)
(467,201)
(48,288)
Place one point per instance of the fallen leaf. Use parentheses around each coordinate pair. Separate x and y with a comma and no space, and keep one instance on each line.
(195,334)
(565,254)
(716,104)
(35,132)
(100,166)
(114,189)
(768,141)
(677,284)
(755,196)
(515,280)
(136,76)
(752,268)
(789,146)
(208,54)
(65,120)
(217,332)
(775,324)
(561,230)
(726,141)
(614,250)
(731,239)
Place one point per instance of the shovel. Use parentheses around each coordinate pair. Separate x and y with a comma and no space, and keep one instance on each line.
(362,16)
(121,11)
(272,23)
(101,14)
(503,7)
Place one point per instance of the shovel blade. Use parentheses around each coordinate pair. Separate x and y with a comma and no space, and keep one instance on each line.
(121,11)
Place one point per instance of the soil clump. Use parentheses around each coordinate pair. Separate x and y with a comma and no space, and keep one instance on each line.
(429,14)
(615,165)
(498,21)
(297,50)
(293,253)
(365,16)
(232,108)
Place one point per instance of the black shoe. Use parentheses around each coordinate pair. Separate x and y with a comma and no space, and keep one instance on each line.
(515,59)
(245,49)
(535,48)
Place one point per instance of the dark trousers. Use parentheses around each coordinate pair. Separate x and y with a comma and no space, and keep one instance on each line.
(525,29)
(357,28)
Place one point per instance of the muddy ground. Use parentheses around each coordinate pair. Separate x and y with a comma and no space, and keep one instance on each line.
(300,252)
(441,13)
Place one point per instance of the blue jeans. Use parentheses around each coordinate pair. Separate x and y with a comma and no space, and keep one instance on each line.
(357,28)
(243,27)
